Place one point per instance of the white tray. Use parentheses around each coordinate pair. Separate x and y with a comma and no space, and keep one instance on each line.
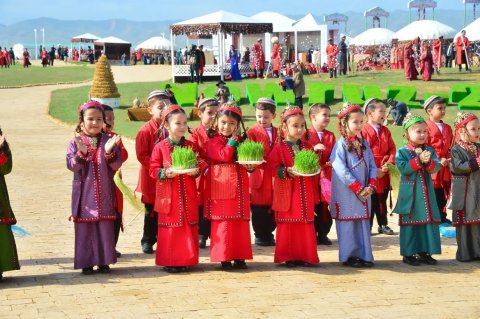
(305,175)
(250,162)
(183,171)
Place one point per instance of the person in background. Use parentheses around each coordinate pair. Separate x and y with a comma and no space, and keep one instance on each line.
(450,54)
(398,110)
(12,56)
(298,85)
(342,56)
(168,89)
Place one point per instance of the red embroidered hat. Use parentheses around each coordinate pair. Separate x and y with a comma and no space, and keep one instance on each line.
(90,105)
(232,107)
(348,108)
(170,109)
(463,118)
(289,111)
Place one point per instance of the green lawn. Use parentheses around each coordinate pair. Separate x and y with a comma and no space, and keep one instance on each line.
(18,76)
(64,103)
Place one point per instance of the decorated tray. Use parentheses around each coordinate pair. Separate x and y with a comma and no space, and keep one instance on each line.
(305,175)
(250,162)
(183,171)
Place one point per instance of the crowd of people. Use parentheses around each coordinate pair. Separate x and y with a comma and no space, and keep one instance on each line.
(218,197)
(7,57)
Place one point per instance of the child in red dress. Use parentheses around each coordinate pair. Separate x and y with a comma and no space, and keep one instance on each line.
(293,196)
(263,220)
(227,201)
(207,109)
(176,198)
(322,141)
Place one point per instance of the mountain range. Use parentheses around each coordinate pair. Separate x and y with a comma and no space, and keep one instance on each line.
(61,31)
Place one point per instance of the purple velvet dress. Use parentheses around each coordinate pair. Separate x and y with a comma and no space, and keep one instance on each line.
(93,202)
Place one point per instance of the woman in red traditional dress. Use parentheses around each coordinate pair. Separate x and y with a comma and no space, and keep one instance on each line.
(409,56)
(437,54)
(176,198)
(26,58)
(293,196)
(227,198)
(426,63)
(276,57)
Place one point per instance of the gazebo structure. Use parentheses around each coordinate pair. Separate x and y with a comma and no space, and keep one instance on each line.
(376,13)
(113,48)
(425,29)
(333,23)
(218,24)
(422,6)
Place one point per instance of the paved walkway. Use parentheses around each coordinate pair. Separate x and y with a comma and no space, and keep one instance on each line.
(48,287)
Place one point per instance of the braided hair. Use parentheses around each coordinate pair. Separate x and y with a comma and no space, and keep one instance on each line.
(343,130)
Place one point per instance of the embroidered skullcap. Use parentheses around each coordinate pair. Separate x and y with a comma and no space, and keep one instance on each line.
(231,106)
(289,111)
(159,93)
(170,109)
(266,100)
(410,119)
(208,101)
(348,108)
(431,101)
(368,102)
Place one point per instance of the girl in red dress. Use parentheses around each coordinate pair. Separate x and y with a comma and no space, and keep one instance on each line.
(293,196)
(227,201)
(176,198)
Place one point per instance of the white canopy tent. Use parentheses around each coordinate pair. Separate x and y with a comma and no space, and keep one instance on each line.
(155,43)
(85,38)
(220,24)
(425,29)
(113,48)
(473,31)
(374,36)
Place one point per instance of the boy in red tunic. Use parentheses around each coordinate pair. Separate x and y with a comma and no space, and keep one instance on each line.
(227,201)
(207,109)
(332,51)
(108,127)
(293,196)
(176,197)
(383,148)
(264,132)
(150,134)
(322,141)
(440,138)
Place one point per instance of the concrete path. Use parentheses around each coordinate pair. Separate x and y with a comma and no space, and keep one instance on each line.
(48,287)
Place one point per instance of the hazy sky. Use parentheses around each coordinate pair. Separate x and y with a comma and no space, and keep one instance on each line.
(12,11)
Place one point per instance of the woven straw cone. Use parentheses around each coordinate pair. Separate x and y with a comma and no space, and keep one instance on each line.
(103,84)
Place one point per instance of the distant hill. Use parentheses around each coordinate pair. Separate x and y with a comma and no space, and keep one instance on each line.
(61,31)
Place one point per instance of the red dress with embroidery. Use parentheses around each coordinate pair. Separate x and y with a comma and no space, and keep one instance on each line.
(332,51)
(293,204)
(328,140)
(147,137)
(383,149)
(441,143)
(227,201)
(177,206)
(261,177)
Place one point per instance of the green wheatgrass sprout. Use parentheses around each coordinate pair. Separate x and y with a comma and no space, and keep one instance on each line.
(394,177)
(250,151)
(183,158)
(306,162)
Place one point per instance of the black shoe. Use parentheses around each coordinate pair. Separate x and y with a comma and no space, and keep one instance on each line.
(104,269)
(119,254)
(87,271)
(411,260)
(324,240)
(147,248)
(239,264)
(227,265)
(290,264)
(172,270)
(353,262)
(367,264)
(446,221)
(427,259)
(262,242)
(202,242)
(384,229)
